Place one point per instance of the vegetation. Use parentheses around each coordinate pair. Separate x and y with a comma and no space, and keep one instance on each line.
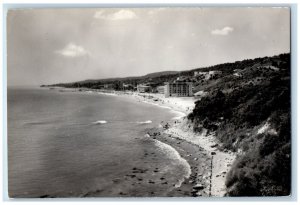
(252,117)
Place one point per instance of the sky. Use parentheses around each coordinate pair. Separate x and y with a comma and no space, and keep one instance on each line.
(47,46)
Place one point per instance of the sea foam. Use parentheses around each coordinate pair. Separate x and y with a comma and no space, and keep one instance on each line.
(170,151)
(100,122)
(145,122)
(179,115)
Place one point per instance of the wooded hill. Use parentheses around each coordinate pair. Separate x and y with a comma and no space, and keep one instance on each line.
(159,78)
(250,113)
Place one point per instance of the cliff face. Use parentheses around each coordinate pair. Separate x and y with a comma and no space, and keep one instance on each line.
(249,110)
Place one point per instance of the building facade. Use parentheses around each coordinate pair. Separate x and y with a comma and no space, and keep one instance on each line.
(207,75)
(108,86)
(127,87)
(161,89)
(178,89)
(143,88)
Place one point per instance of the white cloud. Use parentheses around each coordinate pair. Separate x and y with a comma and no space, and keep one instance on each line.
(72,50)
(156,10)
(120,15)
(223,32)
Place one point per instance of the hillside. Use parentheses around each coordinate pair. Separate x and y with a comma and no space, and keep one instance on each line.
(159,78)
(249,110)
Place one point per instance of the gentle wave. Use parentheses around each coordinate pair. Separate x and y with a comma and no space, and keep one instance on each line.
(169,150)
(110,94)
(179,115)
(145,122)
(100,122)
(42,122)
(36,123)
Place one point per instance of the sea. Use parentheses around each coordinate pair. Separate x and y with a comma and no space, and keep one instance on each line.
(78,144)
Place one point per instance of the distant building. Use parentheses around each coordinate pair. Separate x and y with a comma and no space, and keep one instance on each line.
(161,89)
(207,75)
(152,87)
(143,88)
(178,89)
(127,86)
(197,73)
(108,86)
(99,87)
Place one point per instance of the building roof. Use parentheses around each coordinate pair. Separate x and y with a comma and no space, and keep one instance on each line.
(143,86)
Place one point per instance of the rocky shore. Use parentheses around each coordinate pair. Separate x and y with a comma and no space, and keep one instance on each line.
(220,161)
(198,183)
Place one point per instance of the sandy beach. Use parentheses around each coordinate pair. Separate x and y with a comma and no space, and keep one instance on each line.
(184,105)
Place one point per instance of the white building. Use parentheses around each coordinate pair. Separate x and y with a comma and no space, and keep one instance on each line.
(207,75)
(161,89)
(143,88)
(178,89)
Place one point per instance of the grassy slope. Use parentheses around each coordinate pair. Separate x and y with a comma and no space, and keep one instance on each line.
(237,109)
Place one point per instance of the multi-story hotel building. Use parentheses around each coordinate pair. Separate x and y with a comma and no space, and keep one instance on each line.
(178,89)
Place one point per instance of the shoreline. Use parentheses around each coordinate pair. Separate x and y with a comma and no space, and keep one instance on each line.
(197,183)
(220,162)
(209,165)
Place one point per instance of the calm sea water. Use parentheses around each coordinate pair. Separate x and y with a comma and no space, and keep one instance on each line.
(65,144)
